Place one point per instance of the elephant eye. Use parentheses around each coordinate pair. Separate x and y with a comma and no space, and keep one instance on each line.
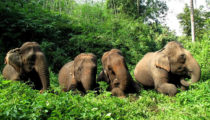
(179,68)
(182,58)
(113,72)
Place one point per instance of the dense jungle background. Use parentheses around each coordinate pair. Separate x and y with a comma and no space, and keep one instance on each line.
(65,28)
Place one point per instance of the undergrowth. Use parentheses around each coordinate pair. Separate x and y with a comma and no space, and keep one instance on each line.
(19,101)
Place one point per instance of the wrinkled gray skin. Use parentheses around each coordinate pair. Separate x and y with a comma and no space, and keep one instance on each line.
(27,63)
(167,68)
(116,74)
(79,74)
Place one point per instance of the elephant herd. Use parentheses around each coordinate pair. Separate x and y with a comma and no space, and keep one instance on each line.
(164,70)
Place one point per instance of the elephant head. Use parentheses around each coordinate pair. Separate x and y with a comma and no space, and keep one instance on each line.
(177,60)
(115,73)
(108,67)
(29,60)
(85,68)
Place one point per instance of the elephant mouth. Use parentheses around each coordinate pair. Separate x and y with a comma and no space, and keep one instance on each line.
(181,73)
(184,72)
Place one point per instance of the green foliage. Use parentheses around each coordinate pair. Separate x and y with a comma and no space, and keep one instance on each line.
(19,101)
(146,9)
(200,18)
(29,22)
(76,28)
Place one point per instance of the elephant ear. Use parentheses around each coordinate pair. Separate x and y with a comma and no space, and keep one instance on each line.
(162,61)
(78,66)
(104,58)
(13,58)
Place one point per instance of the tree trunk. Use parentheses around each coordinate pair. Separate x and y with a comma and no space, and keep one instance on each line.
(192,21)
(138,4)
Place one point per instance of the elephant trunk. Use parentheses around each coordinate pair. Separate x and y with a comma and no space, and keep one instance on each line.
(194,72)
(42,69)
(44,75)
(88,78)
(122,76)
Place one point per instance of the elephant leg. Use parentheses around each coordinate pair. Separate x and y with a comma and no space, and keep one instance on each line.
(41,68)
(118,92)
(101,76)
(134,87)
(167,88)
(73,85)
(116,88)
(183,88)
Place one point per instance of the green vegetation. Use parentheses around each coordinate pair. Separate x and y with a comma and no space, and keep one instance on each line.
(202,21)
(65,28)
(82,28)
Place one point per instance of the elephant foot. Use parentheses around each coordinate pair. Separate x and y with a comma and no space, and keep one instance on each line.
(122,97)
(118,92)
(73,87)
(166,88)
(41,91)
(183,88)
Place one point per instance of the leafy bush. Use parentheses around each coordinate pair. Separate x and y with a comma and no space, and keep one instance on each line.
(19,101)
(21,22)
(89,28)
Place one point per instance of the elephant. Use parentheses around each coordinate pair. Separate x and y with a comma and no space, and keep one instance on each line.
(27,63)
(115,73)
(79,74)
(166,69)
